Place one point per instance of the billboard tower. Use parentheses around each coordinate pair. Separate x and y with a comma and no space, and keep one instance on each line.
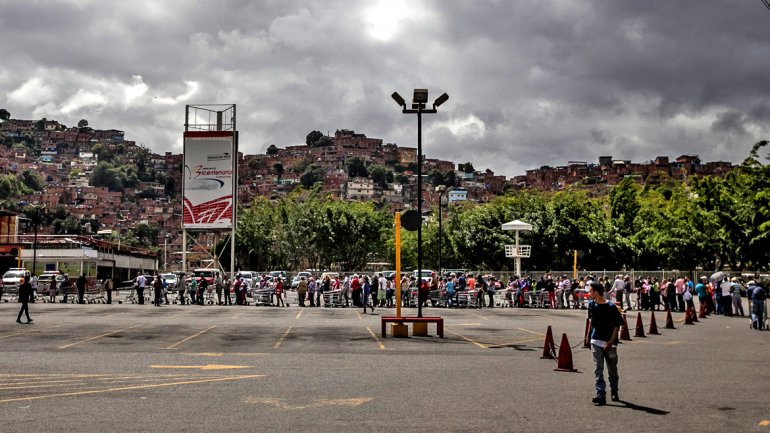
(210,176)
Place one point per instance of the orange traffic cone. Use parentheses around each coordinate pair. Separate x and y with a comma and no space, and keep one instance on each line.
(653,325)
(688,317)
(639,326)
(548,345)
(586,344)
(624,334)
(565,356)
(669,320)
(702,311)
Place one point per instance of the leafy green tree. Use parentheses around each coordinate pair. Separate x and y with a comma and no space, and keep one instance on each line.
(311,176)
(105,175)
(357,167)
(278,170)
(436,177)
(272,150)
(83,123)
(380,175)
(32,180)
(4,114)
(466,168)
(312,138)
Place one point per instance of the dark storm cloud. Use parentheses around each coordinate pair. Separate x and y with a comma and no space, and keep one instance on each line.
(530,82)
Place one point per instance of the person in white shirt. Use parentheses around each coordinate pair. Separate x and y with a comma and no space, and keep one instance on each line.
(141,282)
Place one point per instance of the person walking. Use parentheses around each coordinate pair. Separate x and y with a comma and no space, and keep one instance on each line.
(25,291)
(141,282)
(301,292)
(157,287)
(193,289)
(491,288)
(736,294)
(367,290)
(757,294)
(603,339)
(311,288)
(218,287)
(52,291)
(181,288)
(81,285)
(108,285)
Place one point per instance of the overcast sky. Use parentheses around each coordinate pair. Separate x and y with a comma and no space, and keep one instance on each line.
(531,82)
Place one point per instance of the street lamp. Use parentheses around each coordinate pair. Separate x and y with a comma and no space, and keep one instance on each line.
(165,251)
(35,217)
(419,100)
(441,203)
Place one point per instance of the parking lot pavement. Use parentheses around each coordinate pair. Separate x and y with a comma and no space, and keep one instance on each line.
(245,368)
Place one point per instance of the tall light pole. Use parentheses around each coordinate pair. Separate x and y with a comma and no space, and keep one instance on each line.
(419,100)
(36,218)
(440,190)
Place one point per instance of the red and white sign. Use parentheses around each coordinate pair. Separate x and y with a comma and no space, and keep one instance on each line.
(208,179)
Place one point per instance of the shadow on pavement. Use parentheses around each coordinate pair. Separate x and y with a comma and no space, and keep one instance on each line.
(650,410)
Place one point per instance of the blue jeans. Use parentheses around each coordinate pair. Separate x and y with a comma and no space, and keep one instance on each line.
(611,358)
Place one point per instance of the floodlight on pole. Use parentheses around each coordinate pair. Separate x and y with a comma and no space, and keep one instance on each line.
(399,100)
(418,107)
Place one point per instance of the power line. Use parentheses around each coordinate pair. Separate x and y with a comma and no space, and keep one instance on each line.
(766,3)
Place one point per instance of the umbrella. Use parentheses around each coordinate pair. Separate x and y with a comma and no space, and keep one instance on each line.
(718,276)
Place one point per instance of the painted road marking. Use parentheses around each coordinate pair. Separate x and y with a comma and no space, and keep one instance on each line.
(531,332)
(173,346)
(469,324)
(281,403)
(764,423)
(283,337)
(67,346)
(299,314)
(481,317)
(132,388)
(220,354)
(376,338)
(359,315)
(470,340)
(203,367)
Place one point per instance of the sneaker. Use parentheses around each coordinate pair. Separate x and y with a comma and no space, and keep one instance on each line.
(29,320)
(614,396)
(18,320)
(599,400)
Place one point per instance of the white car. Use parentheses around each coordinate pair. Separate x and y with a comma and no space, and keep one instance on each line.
(14,277)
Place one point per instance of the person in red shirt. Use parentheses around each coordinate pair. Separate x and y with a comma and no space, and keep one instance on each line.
(279,293)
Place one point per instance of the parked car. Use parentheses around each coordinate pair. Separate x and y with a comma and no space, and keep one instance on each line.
(427,275)
(295,281)
(278,274)
(207,273)
(171,279)
(14,277)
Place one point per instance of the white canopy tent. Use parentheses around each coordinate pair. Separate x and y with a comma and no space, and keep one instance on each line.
(517,251)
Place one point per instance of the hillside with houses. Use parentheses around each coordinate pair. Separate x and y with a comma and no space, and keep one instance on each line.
(95,181)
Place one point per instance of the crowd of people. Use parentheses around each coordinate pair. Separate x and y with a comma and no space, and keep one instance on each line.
(722,296)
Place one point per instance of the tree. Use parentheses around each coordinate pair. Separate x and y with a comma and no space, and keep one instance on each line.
(312,175)
(272,150)
(436,177)
(4,114)
(401,178)
(105,175)
(324,141)
(32,180)
(357,167)
(466,168)
(380,175)
(312,138)
(278,170)
(83,123)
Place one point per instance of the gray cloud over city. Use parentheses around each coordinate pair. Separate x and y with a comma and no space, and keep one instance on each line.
(531,82)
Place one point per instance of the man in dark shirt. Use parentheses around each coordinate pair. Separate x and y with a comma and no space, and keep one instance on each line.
(25,291)
(603,338)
